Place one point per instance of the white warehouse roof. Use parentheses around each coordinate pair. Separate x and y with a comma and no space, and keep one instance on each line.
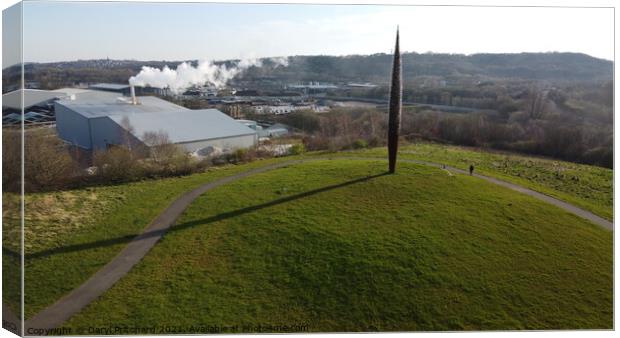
(70,90)
(110,86)
(102,115)
(89,95)
(32,97)
(186,125)
(105,104)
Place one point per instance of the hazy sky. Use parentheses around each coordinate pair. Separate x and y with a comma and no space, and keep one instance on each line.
(11,34)
(180,31)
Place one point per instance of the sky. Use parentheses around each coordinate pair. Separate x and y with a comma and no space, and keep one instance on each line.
(61,31)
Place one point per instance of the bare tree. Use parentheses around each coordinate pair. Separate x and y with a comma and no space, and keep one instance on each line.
(344,122)
(127,131)
(161,149)
(536,103)
(166,157)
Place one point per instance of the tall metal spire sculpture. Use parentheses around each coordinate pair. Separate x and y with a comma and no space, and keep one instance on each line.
(396,92)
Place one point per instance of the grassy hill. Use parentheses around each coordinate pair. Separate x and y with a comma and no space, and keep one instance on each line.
(340,246)
(589,187)
(71,234)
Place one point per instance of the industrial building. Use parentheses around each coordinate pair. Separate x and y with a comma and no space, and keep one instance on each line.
(125,89)
(37,109)
(275,130)
(111,87)
(266,131)
(99,121)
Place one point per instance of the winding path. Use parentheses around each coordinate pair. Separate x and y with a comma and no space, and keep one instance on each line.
(551,200)
(10,322)
(63,309)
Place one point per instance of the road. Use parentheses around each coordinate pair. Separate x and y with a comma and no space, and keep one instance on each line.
(445,108)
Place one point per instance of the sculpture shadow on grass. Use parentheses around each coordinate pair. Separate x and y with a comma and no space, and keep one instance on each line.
(215,218)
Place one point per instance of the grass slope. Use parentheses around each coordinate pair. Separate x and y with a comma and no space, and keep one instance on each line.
(69,235)
(11,249)
(588,187)
(339,246)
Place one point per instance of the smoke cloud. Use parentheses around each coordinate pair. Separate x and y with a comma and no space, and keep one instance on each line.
(280,61)
(186,75)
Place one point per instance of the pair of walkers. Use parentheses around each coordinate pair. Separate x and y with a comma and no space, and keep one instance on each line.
(471,168)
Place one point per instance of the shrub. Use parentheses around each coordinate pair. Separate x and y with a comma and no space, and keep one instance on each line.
(601,156)
(47,162)
(360,144)
(242,155)
(117,164)
(297,149)
(315,142)
(11,160)
(375,142)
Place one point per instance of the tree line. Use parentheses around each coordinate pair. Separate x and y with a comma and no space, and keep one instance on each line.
(554,135)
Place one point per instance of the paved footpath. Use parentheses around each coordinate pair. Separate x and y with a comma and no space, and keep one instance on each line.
(558,203)
(10,321)
(56,314)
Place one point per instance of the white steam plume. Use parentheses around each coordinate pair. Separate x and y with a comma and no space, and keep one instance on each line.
(186,75)
(280,61)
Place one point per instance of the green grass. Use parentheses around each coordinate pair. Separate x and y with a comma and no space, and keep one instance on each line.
(70,235)
(588,187)
(338,246)
(11,250)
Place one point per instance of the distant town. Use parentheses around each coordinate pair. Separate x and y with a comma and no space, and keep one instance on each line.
(301,96)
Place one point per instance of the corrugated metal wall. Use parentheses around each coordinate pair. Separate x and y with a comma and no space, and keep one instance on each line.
(105,132)
(72,127)
(229,143)
(99,132)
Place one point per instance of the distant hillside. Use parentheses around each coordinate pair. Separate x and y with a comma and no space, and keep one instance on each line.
(551,67)
(454,68)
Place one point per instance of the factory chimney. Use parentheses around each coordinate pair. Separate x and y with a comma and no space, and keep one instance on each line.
(132,89)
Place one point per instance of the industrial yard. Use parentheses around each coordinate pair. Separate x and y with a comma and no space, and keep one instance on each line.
(105,115)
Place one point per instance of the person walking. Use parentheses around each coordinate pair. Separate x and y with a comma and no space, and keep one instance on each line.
(471,169)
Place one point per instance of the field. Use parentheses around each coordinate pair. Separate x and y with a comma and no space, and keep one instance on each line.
(588,187)
(341,246)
